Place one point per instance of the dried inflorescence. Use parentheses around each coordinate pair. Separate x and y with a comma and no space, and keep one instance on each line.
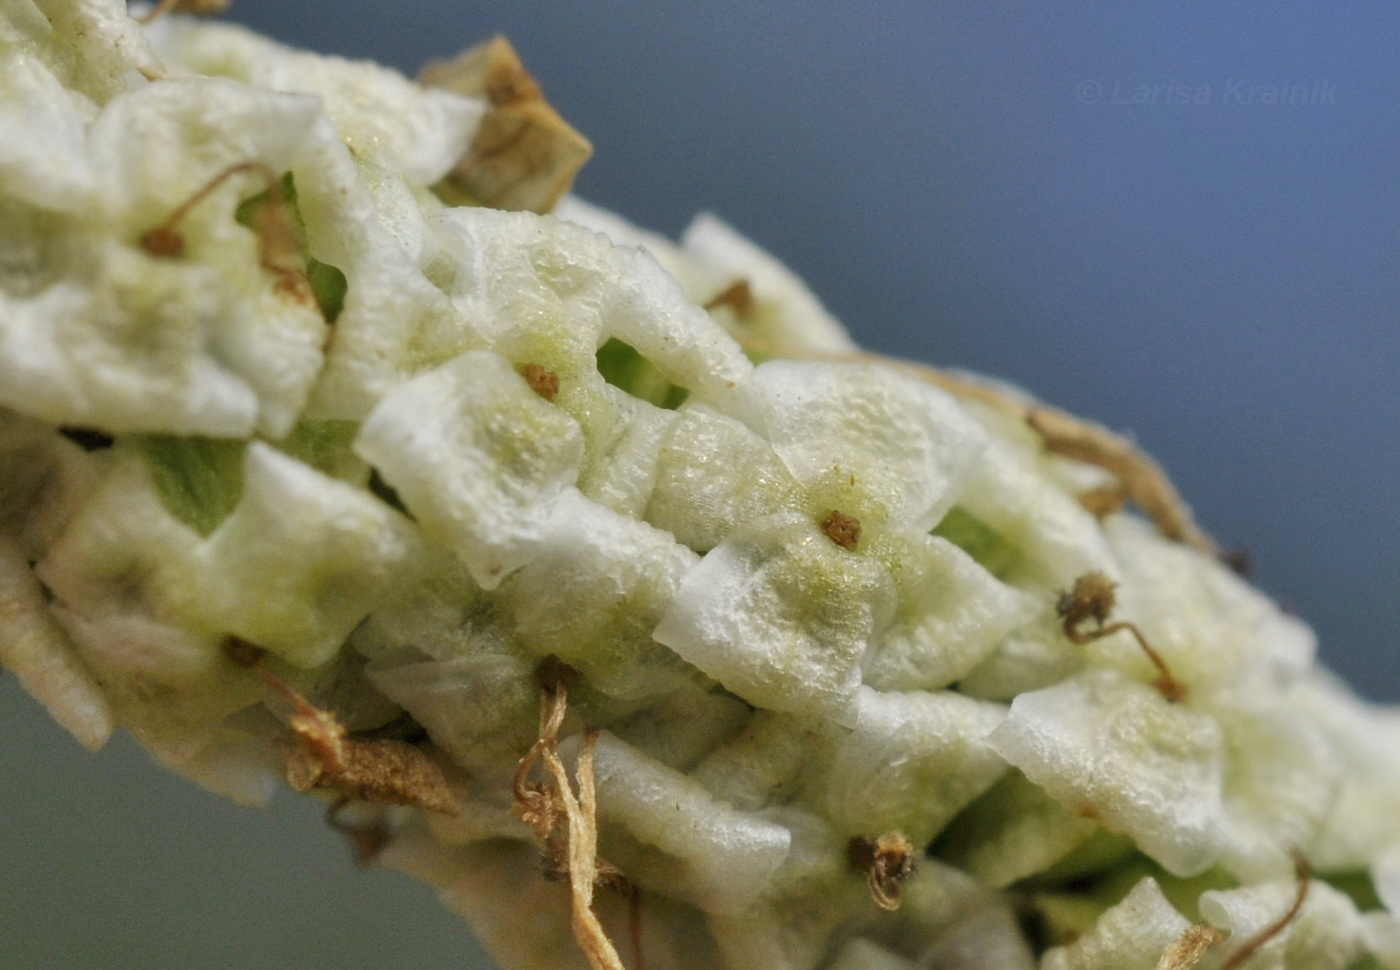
(799,595)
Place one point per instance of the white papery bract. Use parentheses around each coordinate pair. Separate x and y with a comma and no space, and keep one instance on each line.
(266,396)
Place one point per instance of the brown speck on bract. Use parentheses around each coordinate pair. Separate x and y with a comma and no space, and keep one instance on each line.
(842,529)
(542,381)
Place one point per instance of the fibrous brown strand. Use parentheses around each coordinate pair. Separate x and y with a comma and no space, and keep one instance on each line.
(1187,949)
(887,861)
(842,529)
(1303,876)
(573,852)
(1092,599)
(1142,479)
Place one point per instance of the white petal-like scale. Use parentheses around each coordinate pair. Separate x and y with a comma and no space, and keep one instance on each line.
(477,457)
(1325,935)
(723,858)
(1129,936)
(886,448)
(912,762)
(1117,751)
(780,615)
(952,613)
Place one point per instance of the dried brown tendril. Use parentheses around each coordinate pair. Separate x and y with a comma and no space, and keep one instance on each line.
(543,807)
(1302,874)
(1187,949)
(322,755)
(1139,478)
(887,861)
(738,296)
(278,246)
(842,529)
(1092,599)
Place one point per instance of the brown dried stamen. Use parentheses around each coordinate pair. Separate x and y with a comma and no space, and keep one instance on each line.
(1104,501)
(542,381)
(1303,875)
(737,296)
(573,852)
(198,8)
(278,248)
(1092,599)
(842,529)
(1187,949)
(322,755)
(887,861)
(1141,478)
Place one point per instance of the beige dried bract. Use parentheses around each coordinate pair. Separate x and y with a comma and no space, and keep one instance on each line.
(524,155)
(1189,948)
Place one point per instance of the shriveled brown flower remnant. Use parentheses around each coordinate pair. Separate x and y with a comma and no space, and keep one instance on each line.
(842,529)
(524,155)
(322,755)
(1092,599)
(887,861)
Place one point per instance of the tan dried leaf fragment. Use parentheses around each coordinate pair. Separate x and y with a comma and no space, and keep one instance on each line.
(524,155)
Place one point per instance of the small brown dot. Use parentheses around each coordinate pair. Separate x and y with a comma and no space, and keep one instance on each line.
(542,381)
(842,529)
(163,242)
(246,655)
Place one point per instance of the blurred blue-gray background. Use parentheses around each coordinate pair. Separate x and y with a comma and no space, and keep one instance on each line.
(1182,219)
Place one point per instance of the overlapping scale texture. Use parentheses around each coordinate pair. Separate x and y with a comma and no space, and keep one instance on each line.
(425,465)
